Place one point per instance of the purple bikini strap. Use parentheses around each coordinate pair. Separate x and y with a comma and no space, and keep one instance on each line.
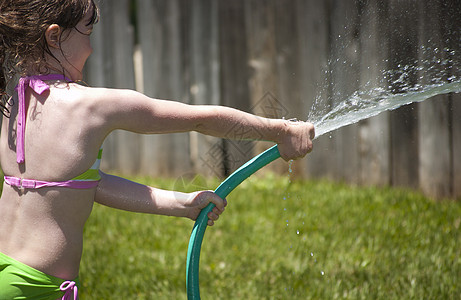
(35,83)
(36,184)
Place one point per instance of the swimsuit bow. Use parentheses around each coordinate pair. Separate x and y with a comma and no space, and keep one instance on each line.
(68,287)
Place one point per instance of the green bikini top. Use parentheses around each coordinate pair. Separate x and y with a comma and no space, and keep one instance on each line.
(92,174)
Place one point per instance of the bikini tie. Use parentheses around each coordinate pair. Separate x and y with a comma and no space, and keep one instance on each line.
(68,287)
(36,84)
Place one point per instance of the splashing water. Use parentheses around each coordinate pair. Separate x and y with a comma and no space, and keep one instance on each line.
(390,90)
(363,105)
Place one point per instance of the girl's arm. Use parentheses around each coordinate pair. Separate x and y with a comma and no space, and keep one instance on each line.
(133,111)
(127,195)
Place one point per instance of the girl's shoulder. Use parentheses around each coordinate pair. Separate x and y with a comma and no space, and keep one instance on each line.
(99,93)
(77,94)
(105,107)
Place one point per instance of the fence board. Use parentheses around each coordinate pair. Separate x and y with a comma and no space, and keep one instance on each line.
(452,35)
(344,81)
(206,152)
(374,133)
(403,38)
(162,72)
(260,31)
(100,68)
(434,137)
(434,153)
(148,32)
(313,22)
(288,59)
(456,143)
(263,76)
(234,74)
(127,144)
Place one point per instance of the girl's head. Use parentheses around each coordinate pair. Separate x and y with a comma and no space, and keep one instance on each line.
(24,26)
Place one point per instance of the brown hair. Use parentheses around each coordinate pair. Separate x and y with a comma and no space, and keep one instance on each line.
(23,24)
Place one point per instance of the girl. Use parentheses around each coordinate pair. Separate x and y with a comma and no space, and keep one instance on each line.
(50,144)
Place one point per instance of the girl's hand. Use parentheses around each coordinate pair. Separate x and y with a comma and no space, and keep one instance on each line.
(296,139)
(199,200)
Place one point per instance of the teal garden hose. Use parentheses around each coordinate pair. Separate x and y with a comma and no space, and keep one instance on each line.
(227,186)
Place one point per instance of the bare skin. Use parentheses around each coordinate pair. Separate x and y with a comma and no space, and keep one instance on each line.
(65,128)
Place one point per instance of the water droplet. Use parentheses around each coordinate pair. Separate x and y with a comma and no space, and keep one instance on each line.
(323,273)
(297,231)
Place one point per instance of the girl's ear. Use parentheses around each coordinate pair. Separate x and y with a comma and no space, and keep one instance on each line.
(53,36)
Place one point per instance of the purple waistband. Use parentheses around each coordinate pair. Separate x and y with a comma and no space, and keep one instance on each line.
(36,184)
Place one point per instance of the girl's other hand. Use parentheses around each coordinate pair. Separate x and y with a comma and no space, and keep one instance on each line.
(199,200)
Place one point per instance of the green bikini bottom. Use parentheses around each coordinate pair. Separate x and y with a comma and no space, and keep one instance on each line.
(20,281)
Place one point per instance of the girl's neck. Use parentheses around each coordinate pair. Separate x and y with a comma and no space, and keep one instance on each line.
(53,67)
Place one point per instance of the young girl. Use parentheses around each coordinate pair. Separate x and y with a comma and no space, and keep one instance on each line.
(50,144)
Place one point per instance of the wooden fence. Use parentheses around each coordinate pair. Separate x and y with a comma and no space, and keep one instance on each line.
(275,58)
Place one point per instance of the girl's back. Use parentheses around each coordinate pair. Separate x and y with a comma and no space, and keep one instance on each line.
(60,144)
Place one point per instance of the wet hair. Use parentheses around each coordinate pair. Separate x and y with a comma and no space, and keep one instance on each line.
(23,24)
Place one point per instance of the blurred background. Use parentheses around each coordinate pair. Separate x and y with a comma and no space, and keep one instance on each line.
(289,59)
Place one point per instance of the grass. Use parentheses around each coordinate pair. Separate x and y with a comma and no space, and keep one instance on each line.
(282,240)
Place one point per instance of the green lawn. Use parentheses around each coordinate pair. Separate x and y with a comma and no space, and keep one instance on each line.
(283,240)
